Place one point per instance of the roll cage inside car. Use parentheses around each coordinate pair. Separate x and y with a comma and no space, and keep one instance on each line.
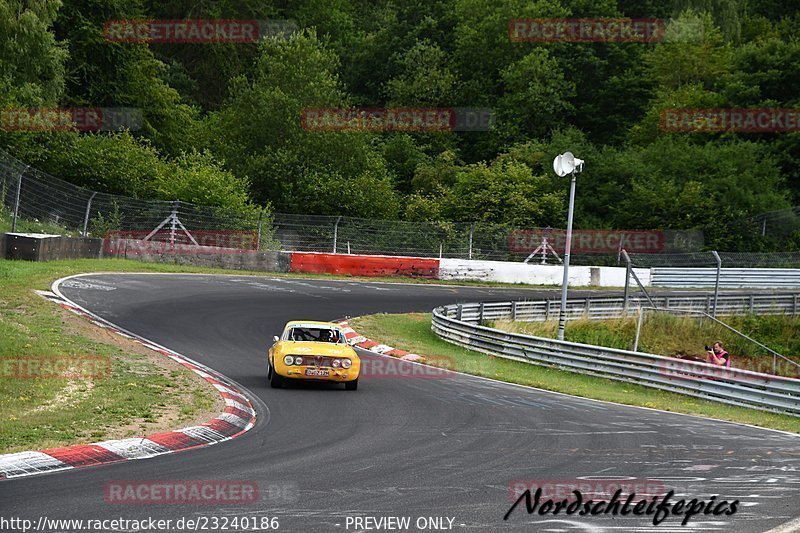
(314,334)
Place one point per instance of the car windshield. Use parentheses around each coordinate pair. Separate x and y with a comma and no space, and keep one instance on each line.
(314,334)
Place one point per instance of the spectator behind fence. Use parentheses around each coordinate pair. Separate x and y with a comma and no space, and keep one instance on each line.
(716,355)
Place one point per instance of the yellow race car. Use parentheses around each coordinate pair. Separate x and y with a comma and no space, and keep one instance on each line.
(315,351)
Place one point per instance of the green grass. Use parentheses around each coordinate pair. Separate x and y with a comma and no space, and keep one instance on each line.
(684,337)
(412,332)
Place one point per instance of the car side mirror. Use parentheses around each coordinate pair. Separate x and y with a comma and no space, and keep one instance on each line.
(275,338)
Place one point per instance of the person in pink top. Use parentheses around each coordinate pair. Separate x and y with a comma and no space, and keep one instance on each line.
(717,355)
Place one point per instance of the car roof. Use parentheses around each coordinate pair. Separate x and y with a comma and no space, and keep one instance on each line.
(310,324)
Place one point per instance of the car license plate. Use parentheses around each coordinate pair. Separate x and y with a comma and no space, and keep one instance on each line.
(317,372)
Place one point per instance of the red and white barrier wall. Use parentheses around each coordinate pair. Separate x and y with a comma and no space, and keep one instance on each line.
(365,265)
(459,269)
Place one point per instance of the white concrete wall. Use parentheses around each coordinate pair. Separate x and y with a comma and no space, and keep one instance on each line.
(534,274)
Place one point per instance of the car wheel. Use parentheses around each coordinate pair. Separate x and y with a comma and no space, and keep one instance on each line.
(351,385)
(275,379)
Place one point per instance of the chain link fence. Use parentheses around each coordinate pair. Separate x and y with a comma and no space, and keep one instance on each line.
(33,200)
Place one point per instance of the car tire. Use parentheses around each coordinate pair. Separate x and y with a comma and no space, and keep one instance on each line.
(275,379)
(351,385)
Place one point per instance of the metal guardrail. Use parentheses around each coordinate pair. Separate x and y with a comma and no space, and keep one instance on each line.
(730,278)
(460,324)
(599,308)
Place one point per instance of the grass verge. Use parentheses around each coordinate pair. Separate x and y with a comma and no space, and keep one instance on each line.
(412,332)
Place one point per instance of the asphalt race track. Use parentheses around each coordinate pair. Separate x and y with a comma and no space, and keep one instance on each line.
(402,446)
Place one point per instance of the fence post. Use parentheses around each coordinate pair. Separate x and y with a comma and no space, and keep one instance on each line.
(638,329)
(471,232)
(624,254)
(173,226)
(86,216)
(716,283)
(336,232)
(440,250)
(16,202)
(258,236)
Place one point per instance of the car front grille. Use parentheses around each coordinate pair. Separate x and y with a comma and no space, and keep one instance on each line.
(312,360)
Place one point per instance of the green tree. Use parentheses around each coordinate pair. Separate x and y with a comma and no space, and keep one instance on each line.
(505,191)
(198,178)
(260,135)
(425,78)
(103,73)
(31,60)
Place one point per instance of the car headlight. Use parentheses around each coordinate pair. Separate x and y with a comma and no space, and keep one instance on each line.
(346,363)
(298,360)
(336,363)
(289,360)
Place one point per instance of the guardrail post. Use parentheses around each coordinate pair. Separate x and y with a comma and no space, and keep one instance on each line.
(514,310)
(752,303)
(547,310)
(587,303)
(794,306)
(480,315)
(716,283)
(459,311)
